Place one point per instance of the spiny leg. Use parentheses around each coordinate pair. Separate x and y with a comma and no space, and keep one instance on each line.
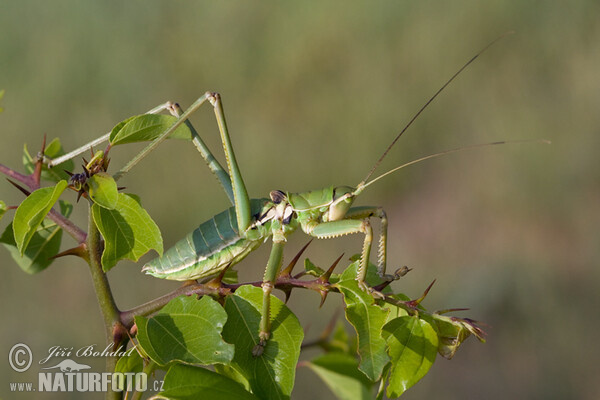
(326,230)
(378,212)
(273,267)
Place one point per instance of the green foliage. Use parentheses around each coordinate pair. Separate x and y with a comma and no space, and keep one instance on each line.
(271,376)
(132,363)
(32,211)
(368,319)
(186,330)
(44,244)
(102,189)
(413,345)
(146,127)
(42,247)
(128,231)
(184,382)
(340,373)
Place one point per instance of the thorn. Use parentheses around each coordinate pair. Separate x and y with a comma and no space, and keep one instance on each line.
(288,293)
(68,173)
(382,285)
(288,270)
(122,188)
(451,310)
(44,144)
(418,301)
(21,188)
(323,294)
(325,277)
(37,172)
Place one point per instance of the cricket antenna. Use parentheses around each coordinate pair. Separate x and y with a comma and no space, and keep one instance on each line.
(364,184)
(429,102)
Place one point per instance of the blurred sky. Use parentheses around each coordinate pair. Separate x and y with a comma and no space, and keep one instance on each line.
(314,92)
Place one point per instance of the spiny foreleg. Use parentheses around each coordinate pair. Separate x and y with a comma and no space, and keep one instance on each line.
(332,229)
(362,213)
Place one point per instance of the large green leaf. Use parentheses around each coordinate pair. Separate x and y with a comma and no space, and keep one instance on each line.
(184,382)
(128,231)
(32,212)
(43,245)
(271,375)
(147,127)
(368,319)
(103,190)
(340,372)
(413,345)
(186,330)
(53,150)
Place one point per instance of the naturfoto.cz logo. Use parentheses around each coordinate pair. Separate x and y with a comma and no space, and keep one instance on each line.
(72,376)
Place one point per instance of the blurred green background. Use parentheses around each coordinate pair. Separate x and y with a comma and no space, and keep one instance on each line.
(314,92)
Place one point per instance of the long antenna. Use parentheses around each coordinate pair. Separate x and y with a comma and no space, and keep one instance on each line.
(427,104)
(363,185)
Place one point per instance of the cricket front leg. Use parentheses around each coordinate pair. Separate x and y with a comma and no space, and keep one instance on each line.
(273,267)
(326,230)
(378,212)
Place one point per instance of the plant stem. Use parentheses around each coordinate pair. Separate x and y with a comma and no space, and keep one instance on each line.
(106,301)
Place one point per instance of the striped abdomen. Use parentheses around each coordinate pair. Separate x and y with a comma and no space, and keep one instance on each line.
(207,250)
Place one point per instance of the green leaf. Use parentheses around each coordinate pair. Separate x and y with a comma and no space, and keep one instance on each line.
(271,375)
(127,364)
(413,344)
(453,331)
(186,330)
(53,150)
(66,208)
(340,373)
(128,231)
(43,245)
(147,127)
(32,212)
(103,190)
(2,208)
(184,382)
(367,319)
(232,373)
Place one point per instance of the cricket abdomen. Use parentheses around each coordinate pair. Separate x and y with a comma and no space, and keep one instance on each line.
(207,250)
